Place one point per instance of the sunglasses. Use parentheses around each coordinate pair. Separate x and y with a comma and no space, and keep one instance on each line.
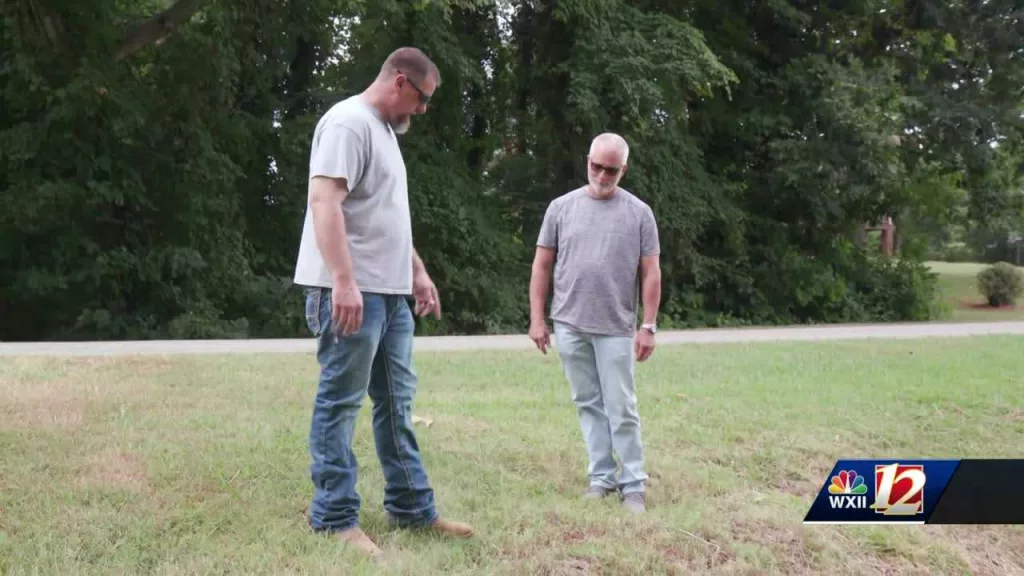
(424,98)
(609,170)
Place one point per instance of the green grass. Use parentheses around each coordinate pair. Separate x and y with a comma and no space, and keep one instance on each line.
(198,465)
(958,288)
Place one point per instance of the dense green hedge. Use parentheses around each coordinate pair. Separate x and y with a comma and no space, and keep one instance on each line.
(160,194)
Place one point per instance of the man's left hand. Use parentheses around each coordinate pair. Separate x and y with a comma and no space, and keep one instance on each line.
(644,345)
(427,298)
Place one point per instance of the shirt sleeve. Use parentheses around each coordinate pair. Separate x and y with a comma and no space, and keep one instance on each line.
(649,242)
(548,237)
(340,152)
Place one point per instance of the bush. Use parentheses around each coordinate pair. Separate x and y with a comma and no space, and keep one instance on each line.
(892,290)
(1001,283)
(842,283)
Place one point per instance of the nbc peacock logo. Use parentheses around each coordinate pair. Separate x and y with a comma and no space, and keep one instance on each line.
(847,490)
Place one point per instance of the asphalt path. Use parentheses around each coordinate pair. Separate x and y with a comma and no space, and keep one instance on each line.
(519,341)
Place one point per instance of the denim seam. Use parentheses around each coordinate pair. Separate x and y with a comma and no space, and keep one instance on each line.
(321,448)
(391,405)
(320,445)
(321,429)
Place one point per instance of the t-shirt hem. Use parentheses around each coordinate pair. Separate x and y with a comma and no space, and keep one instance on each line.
(369,289)
(592,330)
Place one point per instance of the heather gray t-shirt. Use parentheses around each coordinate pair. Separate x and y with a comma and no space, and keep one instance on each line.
(598,245)
(351,141)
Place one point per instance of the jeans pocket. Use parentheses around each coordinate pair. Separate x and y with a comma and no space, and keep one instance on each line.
(314,296)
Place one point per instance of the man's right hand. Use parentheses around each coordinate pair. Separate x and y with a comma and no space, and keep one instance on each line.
(346,307)
(539,335)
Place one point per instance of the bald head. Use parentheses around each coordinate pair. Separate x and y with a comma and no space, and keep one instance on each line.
(610,144)
(411,62)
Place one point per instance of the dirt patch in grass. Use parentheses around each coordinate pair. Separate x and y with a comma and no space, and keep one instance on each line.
(968,304)
(572,566)
(985,550)
(576,535)
(114,469)
(56,413)
(789,544)
(29,402)
(709,551)
(37,395)
(799,488)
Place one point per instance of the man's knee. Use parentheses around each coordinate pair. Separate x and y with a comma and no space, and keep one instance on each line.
(586,393)
(385,391)
(623,419)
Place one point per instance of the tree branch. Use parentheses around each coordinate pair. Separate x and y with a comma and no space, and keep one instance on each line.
(157,27)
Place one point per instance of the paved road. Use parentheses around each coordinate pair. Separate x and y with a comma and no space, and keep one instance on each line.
(516,342)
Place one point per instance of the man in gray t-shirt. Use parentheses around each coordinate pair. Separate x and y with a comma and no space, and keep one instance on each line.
(600,243)
(357,263)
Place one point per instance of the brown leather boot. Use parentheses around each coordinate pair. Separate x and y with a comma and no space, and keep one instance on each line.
(358,540)
(452,528)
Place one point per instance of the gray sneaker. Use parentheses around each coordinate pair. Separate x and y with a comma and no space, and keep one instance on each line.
(597,492)
(635,502)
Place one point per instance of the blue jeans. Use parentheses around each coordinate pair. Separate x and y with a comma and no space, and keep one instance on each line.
(600,371)
(376,360)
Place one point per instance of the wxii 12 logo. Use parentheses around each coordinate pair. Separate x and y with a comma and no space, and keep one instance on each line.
(899,490)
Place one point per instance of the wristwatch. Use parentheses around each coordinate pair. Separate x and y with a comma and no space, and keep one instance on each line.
(652,328)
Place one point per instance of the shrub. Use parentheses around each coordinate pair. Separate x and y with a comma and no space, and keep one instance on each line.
(842,283)
(892,290)
(1001,284)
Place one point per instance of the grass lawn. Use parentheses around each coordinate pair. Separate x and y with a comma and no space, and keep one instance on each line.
(198,465)
(959,290)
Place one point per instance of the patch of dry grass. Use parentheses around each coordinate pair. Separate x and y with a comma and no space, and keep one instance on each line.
(197,465)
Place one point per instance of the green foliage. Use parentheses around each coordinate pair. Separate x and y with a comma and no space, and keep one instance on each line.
(162,194)
(953,252)
(844,284)
(1001,284)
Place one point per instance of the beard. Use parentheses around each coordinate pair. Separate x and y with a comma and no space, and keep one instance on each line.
(401,124)
(603,189)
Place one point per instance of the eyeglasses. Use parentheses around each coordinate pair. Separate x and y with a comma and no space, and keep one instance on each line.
(424,98)
(609,170)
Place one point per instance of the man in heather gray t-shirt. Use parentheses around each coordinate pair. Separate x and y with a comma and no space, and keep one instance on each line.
(600,245)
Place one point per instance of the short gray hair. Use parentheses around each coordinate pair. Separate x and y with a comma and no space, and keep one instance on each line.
(613,140)
(411,61)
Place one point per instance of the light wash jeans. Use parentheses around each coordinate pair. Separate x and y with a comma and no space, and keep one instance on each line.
(376,359)
(600,371)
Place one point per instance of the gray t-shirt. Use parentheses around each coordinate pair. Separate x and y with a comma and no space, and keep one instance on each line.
(598,245)
(351,141)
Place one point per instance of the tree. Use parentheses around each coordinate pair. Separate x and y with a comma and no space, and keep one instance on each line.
(153,167)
